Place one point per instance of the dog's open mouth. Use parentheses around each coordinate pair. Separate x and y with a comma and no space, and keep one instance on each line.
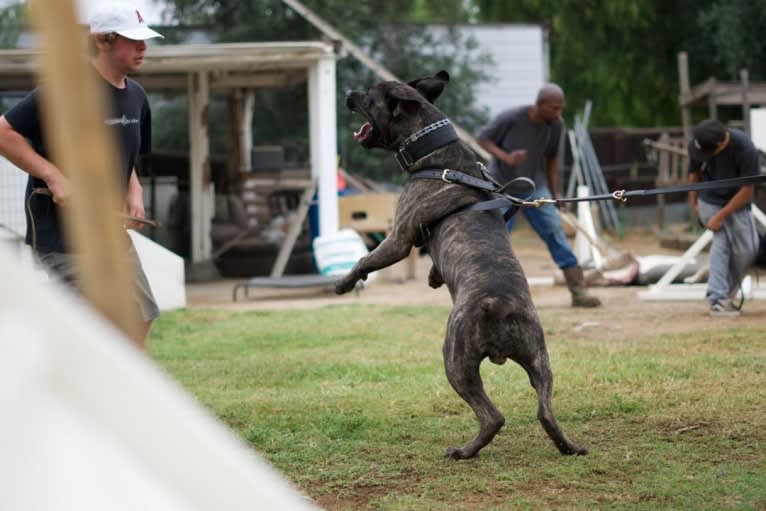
(364,132)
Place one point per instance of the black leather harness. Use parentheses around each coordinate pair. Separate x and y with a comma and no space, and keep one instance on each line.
(427,140)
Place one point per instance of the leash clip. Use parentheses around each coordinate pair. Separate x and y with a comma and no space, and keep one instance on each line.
(619,195)
(445,178)
(542,201)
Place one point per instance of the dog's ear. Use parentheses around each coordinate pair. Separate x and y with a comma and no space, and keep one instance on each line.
(399,105)
(431,87)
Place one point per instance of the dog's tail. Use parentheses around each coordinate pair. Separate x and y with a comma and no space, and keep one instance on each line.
(496,307)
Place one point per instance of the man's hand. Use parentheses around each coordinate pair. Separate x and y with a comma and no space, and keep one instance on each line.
(716,222)
(134,204)
(60,188)
(515,157)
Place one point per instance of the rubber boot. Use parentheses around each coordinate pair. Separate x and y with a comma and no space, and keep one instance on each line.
(576,284)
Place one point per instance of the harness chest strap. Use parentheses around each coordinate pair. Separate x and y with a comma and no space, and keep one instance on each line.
(454,176)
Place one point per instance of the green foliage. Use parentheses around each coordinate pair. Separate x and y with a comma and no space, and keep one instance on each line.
(733,37)
(623,55)
(12,21)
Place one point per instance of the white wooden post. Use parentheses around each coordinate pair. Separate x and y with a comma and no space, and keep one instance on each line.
(246,130)
(200,185)
(584,248)
(324,140)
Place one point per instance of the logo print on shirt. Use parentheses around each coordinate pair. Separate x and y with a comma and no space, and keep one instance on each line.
(120,120)
(138,15)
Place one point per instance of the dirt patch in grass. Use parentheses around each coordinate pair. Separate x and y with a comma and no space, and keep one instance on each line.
(623,316)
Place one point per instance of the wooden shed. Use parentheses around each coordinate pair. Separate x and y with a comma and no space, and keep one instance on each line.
(196,71)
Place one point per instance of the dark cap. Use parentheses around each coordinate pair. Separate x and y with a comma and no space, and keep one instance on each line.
(706,137)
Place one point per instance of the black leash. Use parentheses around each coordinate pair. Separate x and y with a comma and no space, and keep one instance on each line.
(127,218)
(623,195)
(456,177)
(44,192)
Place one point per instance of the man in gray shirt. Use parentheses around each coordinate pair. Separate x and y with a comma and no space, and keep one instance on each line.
(524,143)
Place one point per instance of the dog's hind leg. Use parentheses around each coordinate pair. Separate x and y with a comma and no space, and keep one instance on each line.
(464,376)
(541,378)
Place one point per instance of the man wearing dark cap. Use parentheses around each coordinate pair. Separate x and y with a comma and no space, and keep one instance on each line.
(717,152)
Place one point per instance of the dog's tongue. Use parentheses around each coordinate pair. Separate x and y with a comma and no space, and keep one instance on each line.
(363,132)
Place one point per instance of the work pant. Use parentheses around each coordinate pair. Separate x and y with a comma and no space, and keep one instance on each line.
(732,252)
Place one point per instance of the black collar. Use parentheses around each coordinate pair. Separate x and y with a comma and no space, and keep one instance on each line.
(424,142)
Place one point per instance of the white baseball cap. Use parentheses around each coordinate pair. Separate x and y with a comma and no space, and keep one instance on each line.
(121,18)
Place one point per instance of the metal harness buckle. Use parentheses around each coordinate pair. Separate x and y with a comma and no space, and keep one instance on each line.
(402,158)
(444,176)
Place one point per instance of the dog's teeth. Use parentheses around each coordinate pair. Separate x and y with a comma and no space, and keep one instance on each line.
(364,130)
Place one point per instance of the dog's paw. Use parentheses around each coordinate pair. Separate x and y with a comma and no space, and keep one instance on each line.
(457,453)
(346,284)
(573,450)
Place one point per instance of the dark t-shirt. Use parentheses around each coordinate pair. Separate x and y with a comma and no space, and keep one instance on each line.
(739,159)
(513,130)
(129,122)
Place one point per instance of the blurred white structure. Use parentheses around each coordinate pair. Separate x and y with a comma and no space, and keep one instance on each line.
(87,422)
(164,270)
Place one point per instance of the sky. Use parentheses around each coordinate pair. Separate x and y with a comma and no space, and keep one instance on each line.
(151,10)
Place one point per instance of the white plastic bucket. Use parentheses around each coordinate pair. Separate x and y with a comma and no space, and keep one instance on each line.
(337,253)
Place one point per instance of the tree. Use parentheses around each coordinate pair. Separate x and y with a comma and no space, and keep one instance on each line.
(12,22)
(409,50)
(620,55)
(731,33)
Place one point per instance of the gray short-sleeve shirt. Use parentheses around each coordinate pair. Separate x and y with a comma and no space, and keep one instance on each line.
(512,130)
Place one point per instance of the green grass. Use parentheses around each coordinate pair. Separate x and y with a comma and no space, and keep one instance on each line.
(351,403)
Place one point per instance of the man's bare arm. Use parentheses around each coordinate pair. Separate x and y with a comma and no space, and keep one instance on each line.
(17,150)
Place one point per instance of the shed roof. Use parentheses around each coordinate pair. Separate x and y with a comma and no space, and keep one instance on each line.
(165,68)
(724,93)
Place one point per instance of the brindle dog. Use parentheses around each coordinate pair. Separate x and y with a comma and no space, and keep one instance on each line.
(493,315)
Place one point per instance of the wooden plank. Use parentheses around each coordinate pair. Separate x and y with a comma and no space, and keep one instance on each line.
(367,212)
(745,78)
(699,92)
(201,186)
(73,113)
(683,81)
(666,147)
(293,231)
(712,104)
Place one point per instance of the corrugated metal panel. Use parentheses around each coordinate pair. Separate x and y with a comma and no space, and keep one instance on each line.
(519,54)
(520,60)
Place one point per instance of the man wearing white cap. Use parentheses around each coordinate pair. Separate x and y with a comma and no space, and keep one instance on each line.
(118,32)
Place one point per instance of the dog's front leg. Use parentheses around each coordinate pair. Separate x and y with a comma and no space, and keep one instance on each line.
(390,251)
